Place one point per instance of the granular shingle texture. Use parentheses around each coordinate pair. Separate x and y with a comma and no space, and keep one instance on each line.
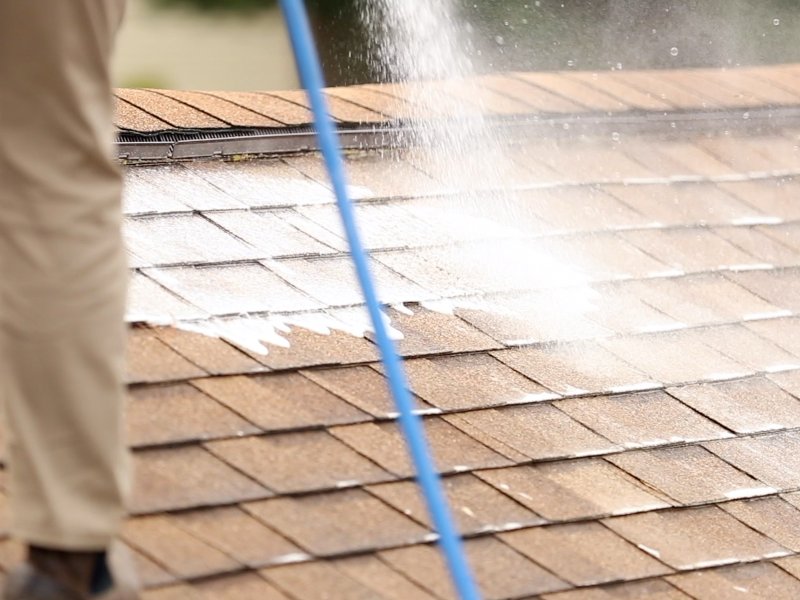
(606,355)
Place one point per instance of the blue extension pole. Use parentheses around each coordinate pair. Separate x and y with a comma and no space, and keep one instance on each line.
(311,75)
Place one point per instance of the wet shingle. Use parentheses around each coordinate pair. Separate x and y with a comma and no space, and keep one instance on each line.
(281,401)
(476,506)
(499,571)
(299,462)
(689,474)
(452,449)
(378,575)
(655,589)
(238,534)
(744,406)
(695,538)
(574,367)
(211,354)
(179,413)
(584,553)
(248,586)
(471,381)
(317,580)
(536,431)
(150,360)
(574,489)
(187,477)
(338,522)
(761,580)
(179,552)
(775,518)
(643,419)
(773,458)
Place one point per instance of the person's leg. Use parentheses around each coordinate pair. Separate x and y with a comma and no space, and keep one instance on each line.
(62,274)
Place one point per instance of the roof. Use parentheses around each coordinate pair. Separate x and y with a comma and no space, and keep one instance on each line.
(606,358)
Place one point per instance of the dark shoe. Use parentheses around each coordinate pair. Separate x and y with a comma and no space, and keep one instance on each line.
(58,575)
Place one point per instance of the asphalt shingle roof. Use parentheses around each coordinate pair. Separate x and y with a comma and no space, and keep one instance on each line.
(606,357)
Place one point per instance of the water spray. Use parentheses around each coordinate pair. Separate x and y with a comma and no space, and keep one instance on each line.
(308,65)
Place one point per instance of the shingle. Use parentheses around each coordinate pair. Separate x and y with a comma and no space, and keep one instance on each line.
(744,406)
(149,572)
(535,97)
(642,419)
(149,301)
(575,91)
(606,256)
(786,233)
(536,431)
(142,195)
(618,307)
(150,360)
(783,332)
(577,209)
(176,187)
(232,289)
(181,591)
(790,564)
(452,449)
(341,110)
(748,348)
(211,354)
(689,474)
(695,158)
(574,367)
(683,203)
(180,553)
(475,505)
(674,357)
(655,589)
(471,381)
(584,553)
(775,197)
(772,458)
(363,387)
(338,522)
(379,576)
(655,82)
(488,101)
(521,319)
(247,586)
(261,183)
(317,581)
(299,462)
(369,177)
(743,158)
(221,109)
(757,243)
(384,104)
(171,111)
(702,299)
(333,282)
(281,401)
(760,580)
(499,571)
(777,519)
(178,413)
(695,538)
(788,380)
(690,249)
(267,231)
(187,477)
(273,107)
(129,117)
(574,489)
(307,348)
(630,96)
(238,534)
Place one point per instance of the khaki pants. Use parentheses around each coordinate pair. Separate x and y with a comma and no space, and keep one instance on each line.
(63,273)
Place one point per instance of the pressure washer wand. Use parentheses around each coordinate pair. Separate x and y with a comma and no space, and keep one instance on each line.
(308,65)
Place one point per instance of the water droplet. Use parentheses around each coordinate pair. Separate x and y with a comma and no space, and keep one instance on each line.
(524,21)
(566,125)
(570,63)
(746,116)
(673,51)
(499,40)
(619,66)
(673,125)
(776,22)
(615,136)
